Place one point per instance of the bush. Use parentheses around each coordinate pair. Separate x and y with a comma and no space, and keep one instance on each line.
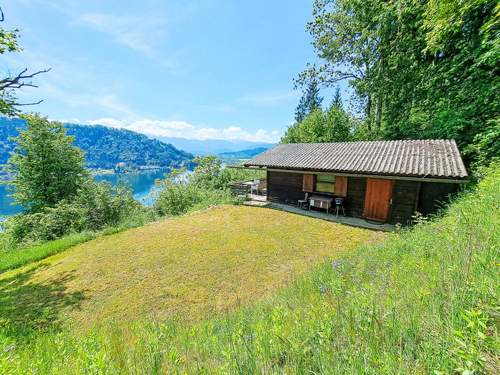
(208,185)
(179,198)
(49,224)
(210,174)
(96,206)
(104,205)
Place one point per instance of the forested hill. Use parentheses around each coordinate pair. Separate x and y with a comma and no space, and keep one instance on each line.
(106,147)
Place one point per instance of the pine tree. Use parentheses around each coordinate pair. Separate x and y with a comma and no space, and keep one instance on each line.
(309,101)
(337,99)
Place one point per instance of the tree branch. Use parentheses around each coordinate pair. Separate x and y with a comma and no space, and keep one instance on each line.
(33,103)
(17,81)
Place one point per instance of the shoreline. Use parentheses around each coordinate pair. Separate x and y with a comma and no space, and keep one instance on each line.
(5,178)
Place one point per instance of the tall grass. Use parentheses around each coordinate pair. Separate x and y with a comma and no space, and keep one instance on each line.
(19,257)
(14,257)
(425,301)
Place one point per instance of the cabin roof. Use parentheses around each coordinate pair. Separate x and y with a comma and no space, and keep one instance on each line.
(413,158)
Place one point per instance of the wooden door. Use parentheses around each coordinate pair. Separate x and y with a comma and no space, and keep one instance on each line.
(308,183)
(378,199)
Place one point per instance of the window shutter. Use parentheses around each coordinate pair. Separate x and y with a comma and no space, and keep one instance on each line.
(341,186)
(308,183)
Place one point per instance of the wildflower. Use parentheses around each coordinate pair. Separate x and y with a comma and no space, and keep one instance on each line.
(9,348)
(336,264)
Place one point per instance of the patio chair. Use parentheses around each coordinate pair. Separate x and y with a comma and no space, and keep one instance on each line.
(262,186)
(254,187)
(303,203)
(339,205)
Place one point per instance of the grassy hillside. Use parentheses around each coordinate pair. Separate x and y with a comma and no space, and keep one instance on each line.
(188,267)
(424,301)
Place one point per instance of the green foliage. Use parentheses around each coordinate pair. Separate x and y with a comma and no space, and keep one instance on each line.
(208,185)
(309,101)
(210,174)
(180,198)
(8,43)
(333,125)
(420,69)
(47,224)
(104,147)
(94,207)
(13,258)
(8,40)
(103,205)
(47,168)
(486,145)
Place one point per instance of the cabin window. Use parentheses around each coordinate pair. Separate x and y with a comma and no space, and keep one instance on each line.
(325,183)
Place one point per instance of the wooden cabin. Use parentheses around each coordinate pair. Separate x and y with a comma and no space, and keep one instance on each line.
(384,181)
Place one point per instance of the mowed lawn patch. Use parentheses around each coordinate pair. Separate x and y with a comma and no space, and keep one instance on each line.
(188,268)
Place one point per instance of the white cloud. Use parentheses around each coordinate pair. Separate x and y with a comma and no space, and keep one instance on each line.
(183,129)
(138,32)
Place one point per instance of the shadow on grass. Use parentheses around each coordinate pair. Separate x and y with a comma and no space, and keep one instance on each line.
(27,305)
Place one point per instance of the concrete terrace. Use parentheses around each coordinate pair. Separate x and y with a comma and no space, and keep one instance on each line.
(261,201)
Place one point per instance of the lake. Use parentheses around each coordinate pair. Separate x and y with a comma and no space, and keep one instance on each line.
(141,183)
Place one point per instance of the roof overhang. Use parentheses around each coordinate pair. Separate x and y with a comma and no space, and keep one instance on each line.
(419,160)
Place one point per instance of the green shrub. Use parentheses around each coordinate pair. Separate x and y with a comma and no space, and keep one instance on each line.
(104,205)
(179,198)
(210,174)
(207,185)
(49,224)
(96,206)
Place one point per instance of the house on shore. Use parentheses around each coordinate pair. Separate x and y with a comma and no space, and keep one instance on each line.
(383,181)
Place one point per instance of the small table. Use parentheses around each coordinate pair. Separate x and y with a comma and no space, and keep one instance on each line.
(320,201)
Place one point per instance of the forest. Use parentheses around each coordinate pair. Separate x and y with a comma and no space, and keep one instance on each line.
(104,147)
(416,70)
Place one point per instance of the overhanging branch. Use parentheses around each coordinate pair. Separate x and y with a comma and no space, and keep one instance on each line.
(18,81)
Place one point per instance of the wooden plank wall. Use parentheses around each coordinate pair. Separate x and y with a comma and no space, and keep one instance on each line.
(283,187)
(355,201)
(404,196)
(433,195)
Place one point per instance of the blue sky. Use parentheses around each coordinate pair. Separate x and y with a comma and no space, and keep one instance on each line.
(204,69)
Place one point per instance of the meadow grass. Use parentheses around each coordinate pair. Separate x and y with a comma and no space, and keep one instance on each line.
(205,263)
(14,257)
(10,259)
(424,301)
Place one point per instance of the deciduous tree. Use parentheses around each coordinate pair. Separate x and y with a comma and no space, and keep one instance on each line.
(47,168)
(419,69)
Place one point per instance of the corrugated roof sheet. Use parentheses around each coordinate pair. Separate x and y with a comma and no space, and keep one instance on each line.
(412,158)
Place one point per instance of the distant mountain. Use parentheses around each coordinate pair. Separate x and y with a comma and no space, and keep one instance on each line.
(212,146)
(243,154)
(106,147)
